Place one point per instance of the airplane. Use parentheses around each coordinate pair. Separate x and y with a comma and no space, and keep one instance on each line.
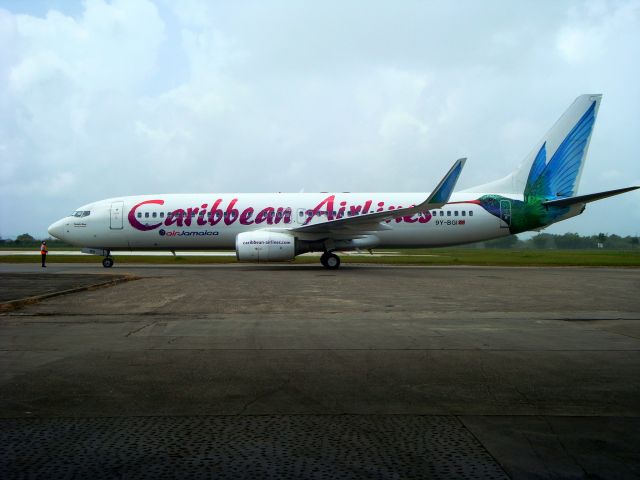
(277,227)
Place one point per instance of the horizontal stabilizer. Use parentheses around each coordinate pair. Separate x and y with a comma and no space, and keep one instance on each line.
(567,202)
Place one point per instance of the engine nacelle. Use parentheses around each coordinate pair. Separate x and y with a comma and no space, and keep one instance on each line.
(264,246)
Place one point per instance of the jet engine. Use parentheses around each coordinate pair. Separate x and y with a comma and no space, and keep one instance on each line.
(264,246)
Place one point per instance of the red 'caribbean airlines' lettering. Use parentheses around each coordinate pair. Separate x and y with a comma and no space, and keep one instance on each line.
(184,217)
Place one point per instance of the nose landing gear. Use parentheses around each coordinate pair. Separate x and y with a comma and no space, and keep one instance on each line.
(330,260)
(107,261)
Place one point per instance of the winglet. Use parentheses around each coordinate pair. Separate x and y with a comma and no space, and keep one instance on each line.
(443,191)
(375,221)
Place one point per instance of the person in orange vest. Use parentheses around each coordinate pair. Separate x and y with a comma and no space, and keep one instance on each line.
(43,253)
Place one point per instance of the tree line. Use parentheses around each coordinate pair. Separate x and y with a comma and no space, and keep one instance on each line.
(567,241)
(541,241)
(26,240)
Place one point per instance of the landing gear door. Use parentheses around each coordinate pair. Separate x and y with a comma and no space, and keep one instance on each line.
(505,213)
(116,215)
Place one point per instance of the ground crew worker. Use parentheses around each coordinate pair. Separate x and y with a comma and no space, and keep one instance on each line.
(43,253)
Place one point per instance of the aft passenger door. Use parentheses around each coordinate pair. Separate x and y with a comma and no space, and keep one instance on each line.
(116,215)
(505,213)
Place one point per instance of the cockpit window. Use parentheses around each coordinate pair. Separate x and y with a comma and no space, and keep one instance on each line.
(81,213)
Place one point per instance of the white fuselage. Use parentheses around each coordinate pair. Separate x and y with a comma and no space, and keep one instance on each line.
(213,221)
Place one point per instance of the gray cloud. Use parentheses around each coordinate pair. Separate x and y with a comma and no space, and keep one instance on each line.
(112,98)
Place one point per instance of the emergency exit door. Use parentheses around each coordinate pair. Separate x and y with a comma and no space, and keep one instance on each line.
(116,215)
(301,216)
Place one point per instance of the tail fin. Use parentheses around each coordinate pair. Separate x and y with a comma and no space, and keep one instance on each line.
(566,144)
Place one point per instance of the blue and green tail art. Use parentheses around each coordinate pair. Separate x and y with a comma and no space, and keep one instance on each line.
(551,180)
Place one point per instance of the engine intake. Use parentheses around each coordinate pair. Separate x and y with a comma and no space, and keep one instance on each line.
(264,246)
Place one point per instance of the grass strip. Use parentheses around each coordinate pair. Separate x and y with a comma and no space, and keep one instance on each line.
(482,257)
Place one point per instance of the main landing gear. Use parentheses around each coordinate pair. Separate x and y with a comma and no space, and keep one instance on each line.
(330,260)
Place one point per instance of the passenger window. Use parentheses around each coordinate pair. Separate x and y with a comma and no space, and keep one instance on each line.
(448,213)
(146,214)
(456,213)
(154,215)
(471,213)
(161,214)
(139,214)
(442,213)
(463,213)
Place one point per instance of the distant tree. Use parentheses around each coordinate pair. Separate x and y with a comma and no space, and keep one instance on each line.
(25,238)
(542,240)
(634,241)
(569,240)
(616,241)
(509,241)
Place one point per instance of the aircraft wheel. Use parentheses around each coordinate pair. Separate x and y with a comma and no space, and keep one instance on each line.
(107,262)
(323,259)
(332,261)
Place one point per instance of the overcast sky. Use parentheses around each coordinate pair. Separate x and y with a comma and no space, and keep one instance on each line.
(107,98)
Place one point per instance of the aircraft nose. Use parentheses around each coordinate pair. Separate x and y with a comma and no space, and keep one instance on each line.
(56,229)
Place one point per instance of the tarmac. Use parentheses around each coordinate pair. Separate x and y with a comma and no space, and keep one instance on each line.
(294,371)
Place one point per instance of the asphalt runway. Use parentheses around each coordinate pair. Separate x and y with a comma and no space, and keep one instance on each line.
(293,371)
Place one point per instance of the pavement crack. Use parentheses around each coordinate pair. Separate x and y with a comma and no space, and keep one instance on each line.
(262,396)
(564,448)
(523,395)
(137,330)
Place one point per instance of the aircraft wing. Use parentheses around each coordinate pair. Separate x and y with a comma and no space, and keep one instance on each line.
(377,220)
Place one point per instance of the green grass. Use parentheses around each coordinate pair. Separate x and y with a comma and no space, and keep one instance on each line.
(455,256)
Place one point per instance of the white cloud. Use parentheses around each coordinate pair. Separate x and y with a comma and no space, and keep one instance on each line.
(594,28)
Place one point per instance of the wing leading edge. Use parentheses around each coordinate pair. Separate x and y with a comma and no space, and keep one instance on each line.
(375,221)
